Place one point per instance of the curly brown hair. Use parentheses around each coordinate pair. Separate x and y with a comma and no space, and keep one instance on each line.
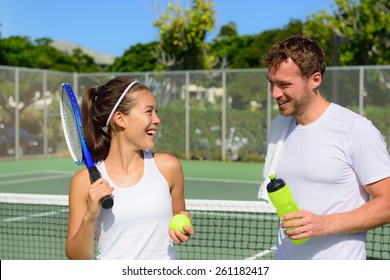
(306,53)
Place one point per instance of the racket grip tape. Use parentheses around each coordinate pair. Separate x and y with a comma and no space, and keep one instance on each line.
(107,201)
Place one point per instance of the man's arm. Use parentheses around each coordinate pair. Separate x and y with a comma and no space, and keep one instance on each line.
(372,214)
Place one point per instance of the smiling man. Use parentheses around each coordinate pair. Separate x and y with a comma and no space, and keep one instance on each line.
(334,160)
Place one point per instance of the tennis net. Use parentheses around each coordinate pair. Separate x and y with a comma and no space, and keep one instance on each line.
(35,227)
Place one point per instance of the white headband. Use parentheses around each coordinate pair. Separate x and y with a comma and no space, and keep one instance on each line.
(119,101)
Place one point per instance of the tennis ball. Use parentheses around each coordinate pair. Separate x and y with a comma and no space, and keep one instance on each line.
(178,221)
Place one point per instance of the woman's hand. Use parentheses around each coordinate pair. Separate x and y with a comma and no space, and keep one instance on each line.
(179,237)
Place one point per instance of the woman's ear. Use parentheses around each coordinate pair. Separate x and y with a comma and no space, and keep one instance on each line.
(119,119)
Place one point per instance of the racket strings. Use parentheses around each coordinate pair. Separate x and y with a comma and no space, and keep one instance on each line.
(70,128)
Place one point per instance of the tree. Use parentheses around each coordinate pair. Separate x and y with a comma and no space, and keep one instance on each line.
(358,31)
(183,34)
(78,61)
(228,30)
(137,58)
(22,52)
(14,51)
(247,51)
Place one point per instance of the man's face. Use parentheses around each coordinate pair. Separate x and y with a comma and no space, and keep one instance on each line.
(291,91)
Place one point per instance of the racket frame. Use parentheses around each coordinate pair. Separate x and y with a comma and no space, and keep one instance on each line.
(86,159)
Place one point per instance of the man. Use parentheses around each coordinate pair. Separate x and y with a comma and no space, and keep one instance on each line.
(332,159)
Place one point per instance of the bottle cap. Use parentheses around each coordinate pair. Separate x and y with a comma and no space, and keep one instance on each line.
(275,184)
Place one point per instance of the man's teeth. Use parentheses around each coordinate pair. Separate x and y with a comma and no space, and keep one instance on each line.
(151,132)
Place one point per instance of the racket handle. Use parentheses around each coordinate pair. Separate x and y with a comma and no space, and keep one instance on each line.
(106,202)
(94,174)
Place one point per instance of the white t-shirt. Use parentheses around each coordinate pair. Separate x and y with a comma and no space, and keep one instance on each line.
(326,164)
(136,227)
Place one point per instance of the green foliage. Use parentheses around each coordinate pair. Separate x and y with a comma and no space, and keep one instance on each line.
(30,80)
(138,58)
(183,34)
(22,52)
(171,132)
(247,51)
(15,51)
(81,62)
(206,133)
(377,87)
(356,34)
(228,30)
(28,90)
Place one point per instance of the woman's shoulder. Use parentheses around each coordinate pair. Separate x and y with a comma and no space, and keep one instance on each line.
(170,167)
(167,160)
(165,157)
(79,185)
(80,176)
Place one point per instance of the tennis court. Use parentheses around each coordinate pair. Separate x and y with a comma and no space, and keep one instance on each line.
(230,222)
(204,180)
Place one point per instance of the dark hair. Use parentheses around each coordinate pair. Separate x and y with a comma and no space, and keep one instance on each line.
(306,53)
(97,104)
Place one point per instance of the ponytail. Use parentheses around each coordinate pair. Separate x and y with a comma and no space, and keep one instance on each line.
(97,140)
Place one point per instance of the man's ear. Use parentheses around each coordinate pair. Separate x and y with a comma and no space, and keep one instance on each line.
(316,80)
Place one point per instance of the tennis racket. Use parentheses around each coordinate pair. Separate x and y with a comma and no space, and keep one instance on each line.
(71,124)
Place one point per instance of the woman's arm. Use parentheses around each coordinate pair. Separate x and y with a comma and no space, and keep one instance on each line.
(84,208)
(171,169)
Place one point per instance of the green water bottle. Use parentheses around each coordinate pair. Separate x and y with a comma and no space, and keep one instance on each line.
(283,200)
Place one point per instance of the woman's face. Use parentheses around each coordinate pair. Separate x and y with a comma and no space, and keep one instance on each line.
(142,121)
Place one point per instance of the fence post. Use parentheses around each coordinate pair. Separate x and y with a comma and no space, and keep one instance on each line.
(17,125)
(223,146)
(269,109)
(44,90)
(75,83)
(187,115)
(361,91)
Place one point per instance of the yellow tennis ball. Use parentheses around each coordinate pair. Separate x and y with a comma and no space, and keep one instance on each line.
(178,221)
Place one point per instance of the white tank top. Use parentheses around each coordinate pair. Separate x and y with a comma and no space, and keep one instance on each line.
(136,227)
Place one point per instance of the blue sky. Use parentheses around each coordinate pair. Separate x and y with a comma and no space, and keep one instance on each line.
(112,26)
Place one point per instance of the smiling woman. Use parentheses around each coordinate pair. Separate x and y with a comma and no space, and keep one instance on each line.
(119,122)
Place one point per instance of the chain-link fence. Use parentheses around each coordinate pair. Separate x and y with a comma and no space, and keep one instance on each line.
(216,115)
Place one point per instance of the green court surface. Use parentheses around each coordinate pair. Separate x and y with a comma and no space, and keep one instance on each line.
(40,231)
(203,179)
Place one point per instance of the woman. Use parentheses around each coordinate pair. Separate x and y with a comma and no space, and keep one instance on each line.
(120,122)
